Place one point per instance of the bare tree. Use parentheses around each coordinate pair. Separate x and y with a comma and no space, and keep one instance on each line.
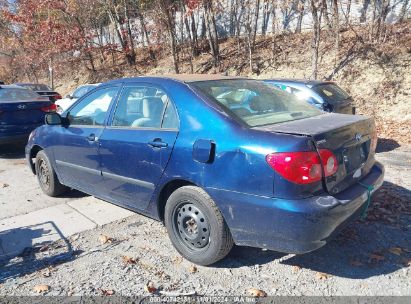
(316,12)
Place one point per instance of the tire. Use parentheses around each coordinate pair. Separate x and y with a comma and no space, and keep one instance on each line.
(47,177)
(196,226)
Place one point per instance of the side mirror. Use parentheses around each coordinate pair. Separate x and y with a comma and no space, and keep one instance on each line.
(53,119)
(69,96)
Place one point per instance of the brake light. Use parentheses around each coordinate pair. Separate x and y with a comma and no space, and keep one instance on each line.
(303,167)
(50,108)
(58,96)
(296,167)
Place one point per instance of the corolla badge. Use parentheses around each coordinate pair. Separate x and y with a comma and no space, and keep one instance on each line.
(21,106)
(358,136)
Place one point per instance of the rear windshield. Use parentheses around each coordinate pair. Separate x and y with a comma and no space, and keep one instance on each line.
(255,102)
(18,95)
(331,92)
(35,87)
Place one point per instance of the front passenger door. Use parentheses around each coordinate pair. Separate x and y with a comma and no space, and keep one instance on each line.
(76,152)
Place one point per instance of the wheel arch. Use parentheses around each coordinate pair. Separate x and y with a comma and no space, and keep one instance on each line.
(166,191)
(33,153)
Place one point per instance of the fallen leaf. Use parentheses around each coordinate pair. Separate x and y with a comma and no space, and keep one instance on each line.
(128,260)
(44,248)
(376,257)
(104,239)
(46,273)
(356,263)
(321,276)
(192,269)
(41,288)
(75,237)
(107,292)
(296,269)
(149,287)
(395,250)
(177,260)
(5,185)
(254,292)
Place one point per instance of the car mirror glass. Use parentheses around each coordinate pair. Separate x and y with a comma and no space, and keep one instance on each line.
(53,119)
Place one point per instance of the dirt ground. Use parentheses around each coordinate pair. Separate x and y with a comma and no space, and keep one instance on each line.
(370,257)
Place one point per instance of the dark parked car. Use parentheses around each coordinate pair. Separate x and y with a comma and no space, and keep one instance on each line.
(325,95)
(42,90)
(281,175)
(21,111)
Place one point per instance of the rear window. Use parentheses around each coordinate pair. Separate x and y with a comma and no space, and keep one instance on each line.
(18,95)
(255,102)
(331,92)
(35,87)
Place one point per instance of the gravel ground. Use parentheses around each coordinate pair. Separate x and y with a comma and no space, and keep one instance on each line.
(370,257)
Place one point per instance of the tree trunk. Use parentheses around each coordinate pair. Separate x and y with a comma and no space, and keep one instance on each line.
(403,11)
(347,16)
(145,35)
(256,15)
(300,9)
(212,31)
(365,4)
(316,16)
(326,16)
(266,17)
(336,26)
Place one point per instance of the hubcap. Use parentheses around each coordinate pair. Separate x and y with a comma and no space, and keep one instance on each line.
(44,174)
(191,226)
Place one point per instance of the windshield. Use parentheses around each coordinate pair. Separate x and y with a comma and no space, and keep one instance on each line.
(331,92)
(18,95)
(35,87)
(80,91)
(255,102)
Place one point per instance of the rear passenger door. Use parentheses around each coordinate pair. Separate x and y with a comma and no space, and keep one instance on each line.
(136,146)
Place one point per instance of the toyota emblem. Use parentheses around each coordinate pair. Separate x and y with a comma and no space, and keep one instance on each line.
(21,107)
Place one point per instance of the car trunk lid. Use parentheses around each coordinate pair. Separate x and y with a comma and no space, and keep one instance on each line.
(22,112)
(349,137)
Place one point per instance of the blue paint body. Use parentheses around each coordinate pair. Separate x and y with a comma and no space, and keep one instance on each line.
(214,151)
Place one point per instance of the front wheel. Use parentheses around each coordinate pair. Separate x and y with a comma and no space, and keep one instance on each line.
(47,177)
(196,226)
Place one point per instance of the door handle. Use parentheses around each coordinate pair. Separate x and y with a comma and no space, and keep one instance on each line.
(158,143)
(91,137)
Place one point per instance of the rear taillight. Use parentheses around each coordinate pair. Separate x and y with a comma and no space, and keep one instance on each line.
(58,96)
(50,108)
(303,167)
(329,162)
(296,167)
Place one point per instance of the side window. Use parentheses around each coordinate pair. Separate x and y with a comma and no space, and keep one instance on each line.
(143,107)
(93,108)
(170,120)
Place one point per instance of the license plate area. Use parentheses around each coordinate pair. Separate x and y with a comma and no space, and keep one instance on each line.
(355,157)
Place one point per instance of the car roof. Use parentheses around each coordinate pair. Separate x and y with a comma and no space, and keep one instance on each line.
(307,82)
(187,78)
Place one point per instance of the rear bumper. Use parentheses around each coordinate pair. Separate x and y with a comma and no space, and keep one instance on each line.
(293,226)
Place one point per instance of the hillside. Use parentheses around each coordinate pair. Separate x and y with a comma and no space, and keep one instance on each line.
(376,75)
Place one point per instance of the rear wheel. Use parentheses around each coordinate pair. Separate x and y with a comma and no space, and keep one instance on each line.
(47,177)
(196,226)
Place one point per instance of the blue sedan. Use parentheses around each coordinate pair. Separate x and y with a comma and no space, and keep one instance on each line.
(276,173)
